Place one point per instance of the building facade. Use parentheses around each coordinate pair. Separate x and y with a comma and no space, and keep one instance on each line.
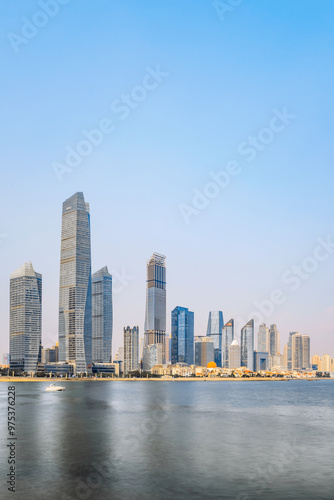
(75,291)
(234,355)
(261,361)
(155,313)
(263,340)
(131,349)
(227,339)
(25,321)
(204,351)
(274,343)
(247,345)
(102,316)
(182,336)
(215,331)
(152,355)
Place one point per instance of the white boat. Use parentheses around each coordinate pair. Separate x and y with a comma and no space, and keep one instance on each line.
(55,388)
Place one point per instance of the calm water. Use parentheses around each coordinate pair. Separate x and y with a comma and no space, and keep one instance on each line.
(164,440)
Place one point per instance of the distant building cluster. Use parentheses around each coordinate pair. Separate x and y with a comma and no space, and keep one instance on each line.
(85,327)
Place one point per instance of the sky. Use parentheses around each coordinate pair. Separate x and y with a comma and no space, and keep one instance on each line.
(198,130)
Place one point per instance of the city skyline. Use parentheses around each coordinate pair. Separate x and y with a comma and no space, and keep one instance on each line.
(76,226)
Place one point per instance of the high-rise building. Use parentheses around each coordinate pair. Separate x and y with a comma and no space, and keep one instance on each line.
(263,338)
(274,342)
(102,316)
(204,351)
(227,339)
(234,355)
(276,362)
(316,362)
(152,355)
(297,352)
(215,330)
(75,291)
(131,349)
(155,314)
(289,351)
(182,336)
(325,363)
(300,352)
(261,361)
(168,349)
(247,345)
(25,324)
(50,355)
(306,355)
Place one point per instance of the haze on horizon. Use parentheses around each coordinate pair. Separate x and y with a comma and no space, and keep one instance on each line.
(223,162)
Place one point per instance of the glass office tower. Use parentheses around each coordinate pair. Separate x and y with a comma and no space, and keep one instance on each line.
(227,339)
(214,330)
(182,336)
(75,291)
(102,316)
(25,324)
(155,314)
(247,345)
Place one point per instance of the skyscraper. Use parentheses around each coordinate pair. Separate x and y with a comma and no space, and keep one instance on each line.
(131,349)
(155,315)
(263,338)
(289,351)
(25,326)
(75,292)
(297,351)
(247,345)
(274,344)
(227,339)
(102,316)
(234,355)
(182,336)
(306,356)
(214,330)
(204,351)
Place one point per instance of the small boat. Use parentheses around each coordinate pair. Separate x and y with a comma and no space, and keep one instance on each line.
(55,388)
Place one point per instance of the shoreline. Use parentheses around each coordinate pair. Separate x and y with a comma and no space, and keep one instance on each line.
(180,379)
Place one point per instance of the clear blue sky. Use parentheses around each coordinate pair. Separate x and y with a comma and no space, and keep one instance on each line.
(225,78)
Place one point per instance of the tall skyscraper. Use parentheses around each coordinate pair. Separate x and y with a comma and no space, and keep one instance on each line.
(227,339)
(204,351)
(234,355)
(131,349)
(155,315)
(152,355)
(25,324)
(289,351)
(247,345)
(274,344)
(297,352)
(75,291)
(182,336)
(306,356)
(215,330)
(263,338)
(102,316)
